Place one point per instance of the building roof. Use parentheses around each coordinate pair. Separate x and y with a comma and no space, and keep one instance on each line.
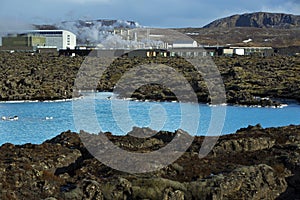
(184,42)
(47,32)
(54,30)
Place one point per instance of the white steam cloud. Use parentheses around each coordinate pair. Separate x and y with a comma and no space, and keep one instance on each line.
(108,34)
(117,41)
(95,31)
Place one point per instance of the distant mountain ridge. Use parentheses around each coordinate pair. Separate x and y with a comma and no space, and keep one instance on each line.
(258,20)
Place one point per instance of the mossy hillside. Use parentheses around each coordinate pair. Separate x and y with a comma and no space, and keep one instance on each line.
(48,77)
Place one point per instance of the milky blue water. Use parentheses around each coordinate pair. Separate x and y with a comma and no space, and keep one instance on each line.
(39,121)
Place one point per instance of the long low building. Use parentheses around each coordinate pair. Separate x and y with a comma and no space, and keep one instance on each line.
(242,51)
(61,39)
(23,40)
(172,52)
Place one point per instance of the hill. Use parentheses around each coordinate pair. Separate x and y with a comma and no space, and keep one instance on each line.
(258,20)
(235,36)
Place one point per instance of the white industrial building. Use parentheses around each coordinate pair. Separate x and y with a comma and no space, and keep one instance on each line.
(61,39)
(185,44)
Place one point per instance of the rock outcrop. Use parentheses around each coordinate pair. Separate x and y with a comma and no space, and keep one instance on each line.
(247,80)
(253,163)
(258,20)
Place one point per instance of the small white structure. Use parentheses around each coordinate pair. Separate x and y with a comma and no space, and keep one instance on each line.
(247,41)
(239,51)
(62,39)
(185,44)
(228,52)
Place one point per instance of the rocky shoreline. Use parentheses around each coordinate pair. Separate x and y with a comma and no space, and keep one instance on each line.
(247,80)
(253,163)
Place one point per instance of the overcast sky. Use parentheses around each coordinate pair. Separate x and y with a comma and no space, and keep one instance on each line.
(154,13)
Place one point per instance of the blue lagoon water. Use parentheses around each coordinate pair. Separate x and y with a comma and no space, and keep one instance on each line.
(39,121)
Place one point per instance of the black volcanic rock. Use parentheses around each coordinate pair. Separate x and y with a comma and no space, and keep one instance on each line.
(257,20)
(254,163)
(247,80)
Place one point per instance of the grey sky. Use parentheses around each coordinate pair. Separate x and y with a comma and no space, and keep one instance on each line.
(156,13)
